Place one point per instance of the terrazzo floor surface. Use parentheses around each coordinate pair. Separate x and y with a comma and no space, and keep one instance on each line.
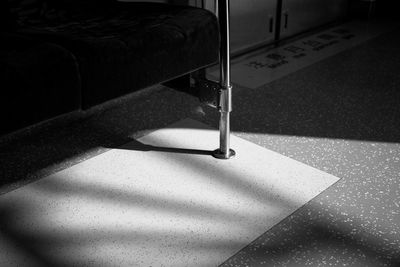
(340,115)
(161,200)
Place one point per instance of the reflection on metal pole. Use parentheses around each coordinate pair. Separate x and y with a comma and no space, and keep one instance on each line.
(225,104)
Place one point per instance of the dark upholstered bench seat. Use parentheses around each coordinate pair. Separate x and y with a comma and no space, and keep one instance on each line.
(90,51)
(38,81)
(122,47)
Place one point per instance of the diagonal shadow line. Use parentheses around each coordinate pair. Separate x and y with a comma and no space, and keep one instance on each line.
(134,198)
(146,148)
(227,178)
(17,238)
(74,236)
(37,245)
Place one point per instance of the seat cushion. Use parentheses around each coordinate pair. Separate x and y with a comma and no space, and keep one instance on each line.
(29,12)
(38,81)
(122,47)
(7,19)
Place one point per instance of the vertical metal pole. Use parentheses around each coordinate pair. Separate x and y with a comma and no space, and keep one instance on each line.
(225,103)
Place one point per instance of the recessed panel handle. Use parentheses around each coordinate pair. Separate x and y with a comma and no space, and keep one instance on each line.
(286,18)
(271,24)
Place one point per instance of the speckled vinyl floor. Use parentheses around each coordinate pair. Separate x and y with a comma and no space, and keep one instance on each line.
(161,200)
(340,115)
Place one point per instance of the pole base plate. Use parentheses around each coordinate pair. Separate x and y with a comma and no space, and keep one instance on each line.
(220,155)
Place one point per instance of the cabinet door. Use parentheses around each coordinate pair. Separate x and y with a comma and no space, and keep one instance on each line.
(252,23)
(302,15)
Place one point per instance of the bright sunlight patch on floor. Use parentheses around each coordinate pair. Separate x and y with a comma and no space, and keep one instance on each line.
(160,200)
